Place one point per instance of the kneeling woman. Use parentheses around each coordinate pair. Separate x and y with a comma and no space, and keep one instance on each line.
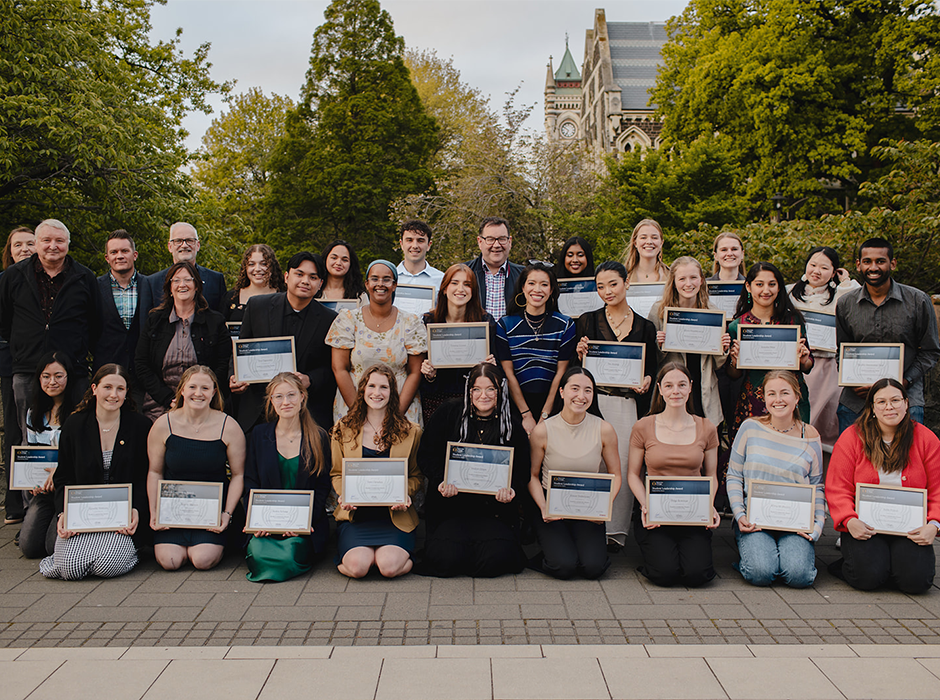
(884,447)
(671,441)
(290,451)
(776,447)
(469,533)
(103,442)
(576,439)
(193,442)
(375,427)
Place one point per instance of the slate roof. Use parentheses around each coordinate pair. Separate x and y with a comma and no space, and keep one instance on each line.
(635,56)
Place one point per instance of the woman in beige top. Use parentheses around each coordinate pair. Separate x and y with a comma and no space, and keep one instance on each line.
(576,439)
(673,442)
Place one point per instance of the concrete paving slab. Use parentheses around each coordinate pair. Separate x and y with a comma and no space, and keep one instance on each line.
(406,652)
(918,651)
(20,678)
(350,679)
(435,679)
(548,679)
(803,651)
(279,652)
(208,679)
(669,679)
(773,679)
(170,653)
(90,679)
(885,679)
(727,651)
(60,654)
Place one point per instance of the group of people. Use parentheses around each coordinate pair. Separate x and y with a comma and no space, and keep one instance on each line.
(364,387)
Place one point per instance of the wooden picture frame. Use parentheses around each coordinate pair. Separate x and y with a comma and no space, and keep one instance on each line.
(262,367)
(492,481)
(291,499)
(124,506)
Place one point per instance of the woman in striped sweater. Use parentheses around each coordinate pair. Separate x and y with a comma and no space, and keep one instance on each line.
(776,447)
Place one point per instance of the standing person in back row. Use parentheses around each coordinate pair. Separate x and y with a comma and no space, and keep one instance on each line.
(496,276)
(415,241)
(885,311)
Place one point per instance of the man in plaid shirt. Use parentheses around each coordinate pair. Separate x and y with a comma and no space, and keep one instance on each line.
(496,276)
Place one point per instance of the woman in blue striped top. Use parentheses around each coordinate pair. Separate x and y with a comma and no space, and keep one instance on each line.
(776,447)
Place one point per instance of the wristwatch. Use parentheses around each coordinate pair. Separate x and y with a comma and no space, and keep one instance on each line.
(544,415)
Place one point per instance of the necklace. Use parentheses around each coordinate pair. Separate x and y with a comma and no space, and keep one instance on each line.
(377,431)
(616,327)
(681,428)
(378,322)
(792,426)
(113,426)
(536,328)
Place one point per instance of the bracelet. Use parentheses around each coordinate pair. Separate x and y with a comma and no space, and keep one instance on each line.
(525,411)
(225,512)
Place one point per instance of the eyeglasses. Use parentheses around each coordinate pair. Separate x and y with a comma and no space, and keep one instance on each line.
(383,280)
(533,261)
(492,240)
(893,403)
(489,391)
(181,280)
(58,376)
(290,396)
(183,241)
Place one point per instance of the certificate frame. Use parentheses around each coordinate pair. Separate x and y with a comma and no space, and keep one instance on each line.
(571,286)
(338,305)
(234,328)
(747,329)
(241,366)
(595,366)
(18,481)
(691,480)
(649,300)
(416,288)
(558,506)
(813,320)
(697,314)
(908,494)
(70,503)
(456,447)
(726,297)
(471,361)
(213,490)
(755,486)
(851,347)
(304,498)
(402,469)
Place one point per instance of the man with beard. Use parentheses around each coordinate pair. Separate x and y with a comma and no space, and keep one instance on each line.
(885,311)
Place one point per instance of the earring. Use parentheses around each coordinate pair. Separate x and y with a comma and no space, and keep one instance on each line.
(748,297)
(520,304)
(832,283)
(803,278)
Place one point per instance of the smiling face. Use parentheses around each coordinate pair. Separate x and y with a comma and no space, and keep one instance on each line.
(648,242)
(611,287)
(53,379)
(120,255)
(819,270)
(537,291)
(302,282)
(198,391)
(495,244)
(576,260)
(729,254)
(483,396)
(380,284)
(415,246)
(110,392)
(688,281)
(675,388)
(286,400)
(52,244)
(458,290)
(889,407)
(763,289)
(780,399)
(337,262)
(257,269)
(182,286)
(875,266)
(377,391)
(578,393)
(22,245)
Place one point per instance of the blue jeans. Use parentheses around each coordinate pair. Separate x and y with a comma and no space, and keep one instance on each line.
(847,417)
(768,554)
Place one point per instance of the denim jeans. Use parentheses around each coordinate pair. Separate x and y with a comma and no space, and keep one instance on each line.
(847,417)
(768,554)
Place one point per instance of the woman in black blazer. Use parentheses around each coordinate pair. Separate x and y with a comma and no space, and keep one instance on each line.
(103,442)
(289,452)
(183,331)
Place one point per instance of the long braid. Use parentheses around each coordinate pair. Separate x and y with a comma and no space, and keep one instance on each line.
(505,417)
(467,407)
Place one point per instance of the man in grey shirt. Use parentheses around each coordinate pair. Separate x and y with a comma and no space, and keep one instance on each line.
(885,311)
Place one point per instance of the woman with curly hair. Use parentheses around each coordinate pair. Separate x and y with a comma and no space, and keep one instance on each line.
(375,427)
(259,274)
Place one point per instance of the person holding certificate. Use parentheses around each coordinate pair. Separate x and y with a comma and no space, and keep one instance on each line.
(686,289)
(617,322)
(778,447)
(575,259)
(194,442)
(821,286)
(728,252)
(458,301)
(643,256)
(574,439)
(103,442)
(378,332)
(376,428)
(259,274)
(343,274)
(885,447)
(534,344)
(290,451)
(474,534)
(672,441)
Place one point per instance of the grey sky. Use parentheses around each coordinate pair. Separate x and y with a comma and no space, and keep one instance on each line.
(495,44)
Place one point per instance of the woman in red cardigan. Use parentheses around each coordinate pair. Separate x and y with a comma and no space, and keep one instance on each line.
(886,447)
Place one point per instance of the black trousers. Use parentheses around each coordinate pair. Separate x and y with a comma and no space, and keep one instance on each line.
(870,564)
(573,546)
(674,554)
(479,547)
(13,502)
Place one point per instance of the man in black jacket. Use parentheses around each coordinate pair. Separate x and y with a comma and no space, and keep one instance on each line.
(48,302)
(119,300)
(295,313)
(496,276)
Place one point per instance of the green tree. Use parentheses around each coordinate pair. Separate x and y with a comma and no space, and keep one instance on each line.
(359,138)
(90,121)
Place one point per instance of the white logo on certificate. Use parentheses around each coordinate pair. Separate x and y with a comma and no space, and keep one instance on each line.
(578,296)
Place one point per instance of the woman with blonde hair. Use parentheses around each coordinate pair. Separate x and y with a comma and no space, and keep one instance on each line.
(728,252)
(643,256)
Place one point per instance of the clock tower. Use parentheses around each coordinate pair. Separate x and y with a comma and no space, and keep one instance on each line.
(563,100)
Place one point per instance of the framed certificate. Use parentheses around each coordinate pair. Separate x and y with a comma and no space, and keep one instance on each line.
(768,347)
(258,360)
(32,465)
(478,468)
(725,295)
(694,331)
(616,364)
(679,500)
(821,331)
(781,506)
(891,510)
(578,296)
(338,305)
(413,298)
(279,511)
(234,328)
(458,344)
(642,295)
(99,508)
(863,364)
(580,495)
(194,505)
(375,482)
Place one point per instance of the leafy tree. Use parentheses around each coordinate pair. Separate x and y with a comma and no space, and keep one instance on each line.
(90,121)
(358,139)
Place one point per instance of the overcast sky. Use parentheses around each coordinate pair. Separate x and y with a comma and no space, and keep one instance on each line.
(495,44)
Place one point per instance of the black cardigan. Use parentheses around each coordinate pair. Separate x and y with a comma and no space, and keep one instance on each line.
(211,340)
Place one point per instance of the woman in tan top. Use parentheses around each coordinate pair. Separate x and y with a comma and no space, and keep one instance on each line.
(673,442)
(576,439)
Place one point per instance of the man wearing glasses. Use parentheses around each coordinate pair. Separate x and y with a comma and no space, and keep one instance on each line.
(183,246)
(496,276)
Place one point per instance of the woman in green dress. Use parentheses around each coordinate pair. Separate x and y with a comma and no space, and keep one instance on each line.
(291,452)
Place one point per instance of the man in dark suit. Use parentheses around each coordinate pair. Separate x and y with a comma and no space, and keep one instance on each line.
(183,246)
(296,313)
(119,299)
(496,276)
